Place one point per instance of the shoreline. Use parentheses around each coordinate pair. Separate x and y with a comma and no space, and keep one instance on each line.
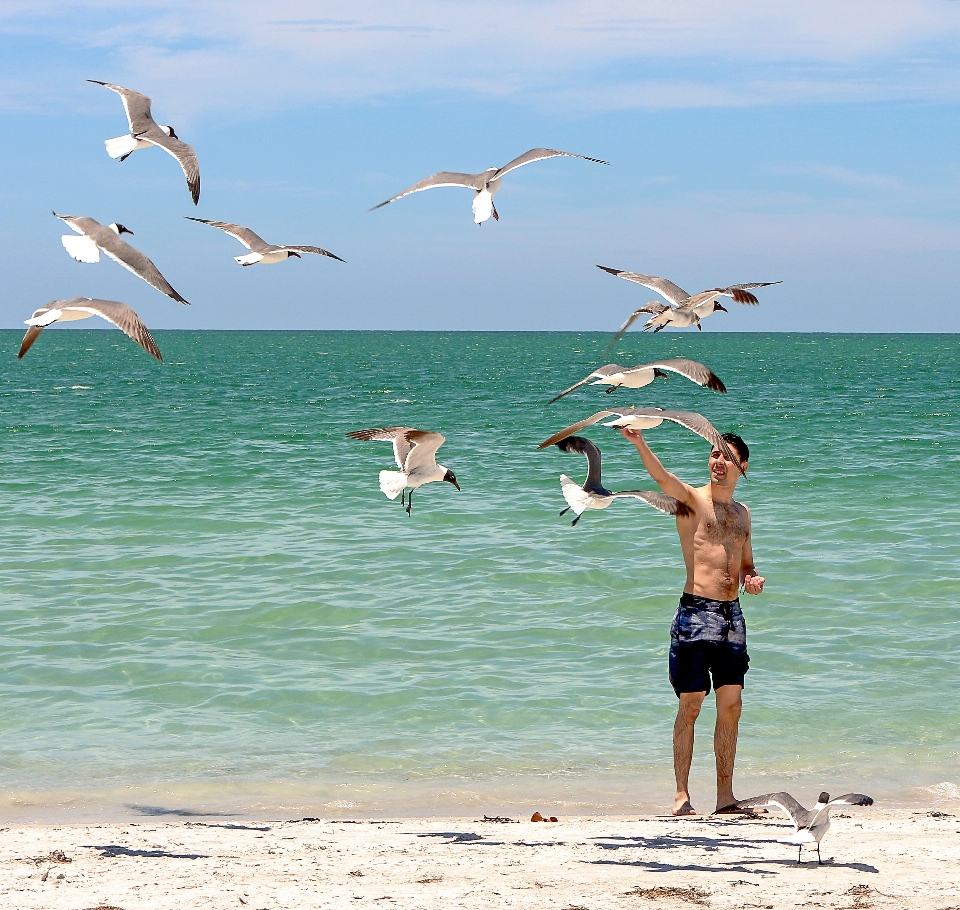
(873,858)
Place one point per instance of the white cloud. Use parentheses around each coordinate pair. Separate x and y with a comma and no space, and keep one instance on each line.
(608,54)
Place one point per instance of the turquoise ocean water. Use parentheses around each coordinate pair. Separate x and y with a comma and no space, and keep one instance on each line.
(208,605)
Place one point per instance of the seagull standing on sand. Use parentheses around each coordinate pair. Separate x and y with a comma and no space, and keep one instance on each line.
(145,131)
(95,237)
(260,250)
(647,419)
(593,494)
(684,309)
(415,452)
(122,316)
(615,376)
(485,185)
(810,824)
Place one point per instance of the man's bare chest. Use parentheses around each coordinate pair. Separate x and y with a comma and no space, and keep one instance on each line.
(723,524)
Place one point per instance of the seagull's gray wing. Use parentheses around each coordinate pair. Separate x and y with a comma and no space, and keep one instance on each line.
(783,801)
(654,308)
(253,242)
(576,427)
(122,316)
(676,295)
(136,105)
(396,435)
(540,155)
(695,372)
(589,450)
(443,178)
(131,258)
(184,154)
(313,249)
(80,223)
(739,291)
(424,448)
(660,501)
(598,373)
(698,424)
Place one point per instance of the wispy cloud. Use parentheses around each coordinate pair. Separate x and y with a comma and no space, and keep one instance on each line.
(835,173)
(608,54)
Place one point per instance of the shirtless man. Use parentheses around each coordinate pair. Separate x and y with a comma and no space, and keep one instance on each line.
(708,635)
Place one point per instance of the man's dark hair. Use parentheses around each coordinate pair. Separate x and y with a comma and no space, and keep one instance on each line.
(742,451)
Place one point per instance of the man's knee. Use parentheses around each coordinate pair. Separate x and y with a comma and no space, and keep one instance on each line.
(690,705)
(730,702)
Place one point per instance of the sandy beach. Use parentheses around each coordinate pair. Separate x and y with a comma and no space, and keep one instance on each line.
(872,858)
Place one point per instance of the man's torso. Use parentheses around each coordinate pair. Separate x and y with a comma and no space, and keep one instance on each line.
(713,539)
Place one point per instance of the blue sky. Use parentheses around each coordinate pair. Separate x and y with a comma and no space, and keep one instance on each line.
(811,142)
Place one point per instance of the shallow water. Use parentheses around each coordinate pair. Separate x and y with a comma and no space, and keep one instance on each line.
(207,599)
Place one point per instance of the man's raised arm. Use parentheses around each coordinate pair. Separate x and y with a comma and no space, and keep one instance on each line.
(669,483)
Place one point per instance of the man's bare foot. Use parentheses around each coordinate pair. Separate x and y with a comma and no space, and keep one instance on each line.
(683,807)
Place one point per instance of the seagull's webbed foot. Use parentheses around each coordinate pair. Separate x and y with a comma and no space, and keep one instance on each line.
(575,520)
(612,389)
(409,503)
(564,512)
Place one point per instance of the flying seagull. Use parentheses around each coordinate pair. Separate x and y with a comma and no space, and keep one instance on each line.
(810,824)
(593,494)
(122,316)
(260,250)
(416,454)
(615,376)
(684,309)
(647,419)
(95,237)
(145,131)
(485,185)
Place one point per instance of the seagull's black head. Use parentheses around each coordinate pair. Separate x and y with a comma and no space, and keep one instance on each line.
(824,797)
(120,229)
(719,306)
(169,131)
(291,253)
(659,374)
(450,478)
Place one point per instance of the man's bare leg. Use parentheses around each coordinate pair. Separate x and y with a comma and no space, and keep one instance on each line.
(687,714)
(729,707)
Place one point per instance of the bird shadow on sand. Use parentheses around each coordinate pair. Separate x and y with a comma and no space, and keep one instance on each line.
(182,813)
(462,837)
(111,851)
(672,842)
(747,867)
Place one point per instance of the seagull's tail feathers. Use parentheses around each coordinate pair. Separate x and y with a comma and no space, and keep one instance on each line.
(392,483)
(573,493)
(83,249)
(122,146)
(803,836)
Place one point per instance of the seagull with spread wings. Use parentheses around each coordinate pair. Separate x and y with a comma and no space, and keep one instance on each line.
(260,250)
(592,494)
(122,316)
(485,185)
(94,237)
(647,419)
(616,376)
(415,452)
(145,132)
(684,309)
(810,824)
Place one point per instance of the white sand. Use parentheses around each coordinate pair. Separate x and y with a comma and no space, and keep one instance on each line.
(877,858)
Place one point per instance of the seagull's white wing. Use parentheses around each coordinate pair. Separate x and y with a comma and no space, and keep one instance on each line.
(443,178)
(599,373)
(136,105)
(313,249)
(540,155)
(676,295)
(425,444)
(122,316)
(660,501)
(251,241)
(184,154)
(576,427)
(396,435)
(695,372)
(782,801)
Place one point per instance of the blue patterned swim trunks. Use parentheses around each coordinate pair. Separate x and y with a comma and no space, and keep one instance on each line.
(707,638)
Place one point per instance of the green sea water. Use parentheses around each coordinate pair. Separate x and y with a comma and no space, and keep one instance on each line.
(208,605)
